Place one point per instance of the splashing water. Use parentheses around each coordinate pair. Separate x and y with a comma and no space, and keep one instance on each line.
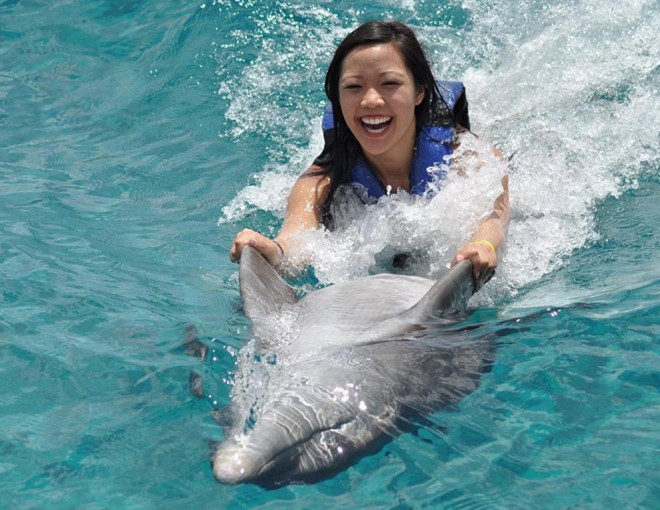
(573,105)
(130,127)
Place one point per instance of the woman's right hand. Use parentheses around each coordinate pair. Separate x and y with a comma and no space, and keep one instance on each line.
(270,249)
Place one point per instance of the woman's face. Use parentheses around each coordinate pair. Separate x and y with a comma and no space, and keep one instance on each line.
(378,96)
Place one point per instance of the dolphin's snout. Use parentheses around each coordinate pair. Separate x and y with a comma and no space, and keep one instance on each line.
(233,464)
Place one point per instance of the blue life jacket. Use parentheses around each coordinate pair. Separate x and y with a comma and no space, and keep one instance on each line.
(432,149)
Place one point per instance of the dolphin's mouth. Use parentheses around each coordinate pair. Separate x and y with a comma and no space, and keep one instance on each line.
(284,468)
(242,464)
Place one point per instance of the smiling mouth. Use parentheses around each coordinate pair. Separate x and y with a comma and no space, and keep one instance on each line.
(375,125)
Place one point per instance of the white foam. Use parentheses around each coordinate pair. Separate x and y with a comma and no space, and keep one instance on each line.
(368,237)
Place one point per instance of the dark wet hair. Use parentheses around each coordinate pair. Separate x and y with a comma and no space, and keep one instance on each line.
(341,148)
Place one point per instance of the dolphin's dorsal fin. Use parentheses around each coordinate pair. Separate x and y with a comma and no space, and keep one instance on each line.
(263,290)
(448,295)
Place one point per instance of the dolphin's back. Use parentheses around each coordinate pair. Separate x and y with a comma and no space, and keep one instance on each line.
(372,308)
(349,312)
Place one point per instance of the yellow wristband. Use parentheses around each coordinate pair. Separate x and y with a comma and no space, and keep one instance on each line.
(487,243)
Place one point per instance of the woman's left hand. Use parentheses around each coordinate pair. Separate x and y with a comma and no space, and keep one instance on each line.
(488,239)
(483,256)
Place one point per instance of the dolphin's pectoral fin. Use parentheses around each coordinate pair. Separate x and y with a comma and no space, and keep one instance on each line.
(196,385)
(192,344)
(447,298)
(263,290)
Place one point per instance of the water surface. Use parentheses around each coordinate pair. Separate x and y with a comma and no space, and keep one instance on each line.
(138,137)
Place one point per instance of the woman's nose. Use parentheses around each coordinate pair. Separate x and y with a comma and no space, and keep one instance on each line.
(372,98)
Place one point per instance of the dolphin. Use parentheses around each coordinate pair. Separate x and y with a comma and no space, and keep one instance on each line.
(336,374)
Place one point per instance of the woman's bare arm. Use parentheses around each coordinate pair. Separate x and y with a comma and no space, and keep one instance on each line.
(303,212)
(486,241)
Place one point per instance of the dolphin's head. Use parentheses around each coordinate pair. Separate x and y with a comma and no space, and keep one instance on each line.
(316,425)
(304,433)
(310,460)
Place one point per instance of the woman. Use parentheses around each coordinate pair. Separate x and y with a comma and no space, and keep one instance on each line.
(382,93)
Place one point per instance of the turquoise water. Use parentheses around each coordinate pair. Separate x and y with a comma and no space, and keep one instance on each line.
(138,137)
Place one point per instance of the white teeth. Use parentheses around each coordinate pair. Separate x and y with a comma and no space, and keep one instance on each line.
(376,125)
(376,120)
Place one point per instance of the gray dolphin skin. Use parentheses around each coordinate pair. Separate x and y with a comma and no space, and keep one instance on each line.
(335,375)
